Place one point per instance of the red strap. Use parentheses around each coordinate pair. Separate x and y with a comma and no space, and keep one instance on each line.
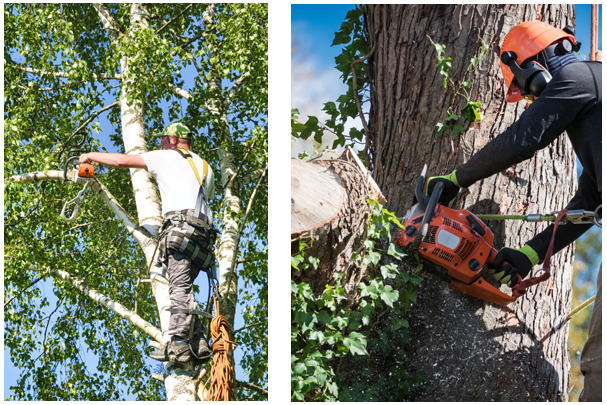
(521,288)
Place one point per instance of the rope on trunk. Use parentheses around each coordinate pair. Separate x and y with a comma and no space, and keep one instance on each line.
(222,372)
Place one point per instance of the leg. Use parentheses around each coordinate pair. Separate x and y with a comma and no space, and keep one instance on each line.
(181,276)
(181,279)
(592,354)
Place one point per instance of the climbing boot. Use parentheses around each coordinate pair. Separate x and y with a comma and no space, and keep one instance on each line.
(177,350)
(200,347)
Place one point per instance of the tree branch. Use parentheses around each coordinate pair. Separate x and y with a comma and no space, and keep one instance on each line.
(253,387)
(109,23)
(239,167)
(173,19)
(241,228)
(64,75)
(234,89)
(246,327)
(140,234)
(110,304)
(251,176)
(23,289)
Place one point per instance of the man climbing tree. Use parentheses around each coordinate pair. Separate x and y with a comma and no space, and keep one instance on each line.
(187,232)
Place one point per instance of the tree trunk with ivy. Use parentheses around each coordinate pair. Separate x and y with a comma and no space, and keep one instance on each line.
(329,212)
(468,349)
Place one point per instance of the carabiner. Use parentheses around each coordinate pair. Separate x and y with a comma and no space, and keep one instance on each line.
(596,211)
(77,201)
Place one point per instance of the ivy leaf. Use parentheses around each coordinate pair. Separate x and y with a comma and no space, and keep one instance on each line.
(444,64)
(389,296)
(440,127)
(389,271)
(457,129)
(356,343)
(399,323)
(440,48)
(395,251)
(295,260)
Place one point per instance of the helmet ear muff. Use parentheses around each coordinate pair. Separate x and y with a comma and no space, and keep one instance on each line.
(531,77)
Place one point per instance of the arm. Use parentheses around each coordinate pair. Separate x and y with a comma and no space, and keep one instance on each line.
(587,197)
(559,106)
(118,160)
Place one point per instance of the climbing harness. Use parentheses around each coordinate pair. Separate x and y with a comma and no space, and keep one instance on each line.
(85,170)
(222,371)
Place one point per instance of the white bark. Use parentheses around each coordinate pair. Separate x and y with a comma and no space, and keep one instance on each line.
(118,308)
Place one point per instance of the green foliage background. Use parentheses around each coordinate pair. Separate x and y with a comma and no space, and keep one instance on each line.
(49,343)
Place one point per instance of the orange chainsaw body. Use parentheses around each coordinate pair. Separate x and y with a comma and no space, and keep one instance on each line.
(460,243)
(86,170)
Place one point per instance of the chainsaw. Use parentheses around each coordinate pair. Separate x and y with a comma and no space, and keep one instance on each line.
(84,170)
(452,244)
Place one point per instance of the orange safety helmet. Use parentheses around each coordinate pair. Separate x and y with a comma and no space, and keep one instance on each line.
(527,40)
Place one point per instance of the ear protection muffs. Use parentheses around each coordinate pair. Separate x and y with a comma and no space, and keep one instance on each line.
(531,77)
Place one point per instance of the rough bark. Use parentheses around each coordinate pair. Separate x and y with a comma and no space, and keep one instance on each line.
(330,219)
(471,350)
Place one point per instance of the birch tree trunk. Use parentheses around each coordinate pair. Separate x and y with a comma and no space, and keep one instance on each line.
(471,350)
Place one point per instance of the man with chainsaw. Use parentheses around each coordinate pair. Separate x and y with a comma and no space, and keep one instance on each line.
(538,65)
(186,182)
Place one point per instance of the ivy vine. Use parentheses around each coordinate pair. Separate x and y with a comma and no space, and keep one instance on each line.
(325,330)
(471,111)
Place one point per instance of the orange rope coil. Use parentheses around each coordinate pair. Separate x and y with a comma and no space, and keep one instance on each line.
(222,372)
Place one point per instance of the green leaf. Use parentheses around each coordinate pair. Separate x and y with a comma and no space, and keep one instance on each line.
(399,323)
(389,296)
(440,48)
(457,129)
(295,260)
(356,343)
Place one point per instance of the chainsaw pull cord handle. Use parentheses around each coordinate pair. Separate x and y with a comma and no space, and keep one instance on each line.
(77,203)
(521,288)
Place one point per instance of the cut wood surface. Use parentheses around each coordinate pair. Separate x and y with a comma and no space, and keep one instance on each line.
(316,195)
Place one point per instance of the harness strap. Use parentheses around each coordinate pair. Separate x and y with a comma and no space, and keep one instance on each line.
(521,288)
(201,193)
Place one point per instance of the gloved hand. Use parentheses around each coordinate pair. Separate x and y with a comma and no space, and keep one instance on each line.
(520,261)
(450,189)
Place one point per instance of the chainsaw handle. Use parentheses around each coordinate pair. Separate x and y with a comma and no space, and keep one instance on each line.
(66,164)
(71,155)
(419,193)
(429,213)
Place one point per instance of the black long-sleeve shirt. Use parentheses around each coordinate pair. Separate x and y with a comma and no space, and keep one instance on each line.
(571,102)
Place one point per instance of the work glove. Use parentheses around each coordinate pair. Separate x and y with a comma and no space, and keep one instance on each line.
(520,261)
(450,188)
